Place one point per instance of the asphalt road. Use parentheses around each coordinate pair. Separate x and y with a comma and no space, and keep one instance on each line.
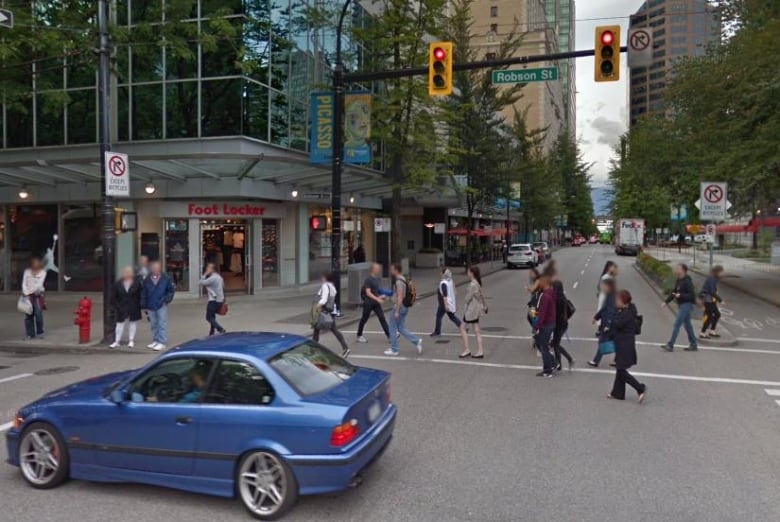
(489,441)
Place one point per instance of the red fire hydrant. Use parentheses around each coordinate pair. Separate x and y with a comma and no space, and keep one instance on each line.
(84,319)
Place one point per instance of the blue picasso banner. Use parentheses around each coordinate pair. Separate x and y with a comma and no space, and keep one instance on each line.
(357,128)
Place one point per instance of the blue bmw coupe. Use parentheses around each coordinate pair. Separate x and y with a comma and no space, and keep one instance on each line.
(261,416)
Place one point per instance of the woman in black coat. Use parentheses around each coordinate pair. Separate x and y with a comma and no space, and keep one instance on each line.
(624,326)
(127,305)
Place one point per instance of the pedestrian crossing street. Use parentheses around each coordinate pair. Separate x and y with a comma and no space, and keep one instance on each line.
(774,393)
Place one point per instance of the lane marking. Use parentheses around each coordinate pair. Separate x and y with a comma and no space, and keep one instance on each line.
(773,393)
(777,402)
(15,377)
(575,284)
(759,340)
(669,376)
(582,272)
(588,339)
(6,426)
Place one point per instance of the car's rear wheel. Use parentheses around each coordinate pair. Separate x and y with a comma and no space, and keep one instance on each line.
(266,485)
(43,456)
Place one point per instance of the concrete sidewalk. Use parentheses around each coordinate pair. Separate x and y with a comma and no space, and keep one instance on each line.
(273,310)
(759,280)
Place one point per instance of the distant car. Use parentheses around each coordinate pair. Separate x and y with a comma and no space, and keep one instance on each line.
(261,416)
(594,239)
(579,241)
(700,238)
(545,248)
(521,254)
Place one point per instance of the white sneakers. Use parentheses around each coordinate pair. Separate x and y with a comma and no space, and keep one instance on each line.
(362,339)
(151,345)
(131,344)
(390,351)
(115,344)
(156,347)
(419,346)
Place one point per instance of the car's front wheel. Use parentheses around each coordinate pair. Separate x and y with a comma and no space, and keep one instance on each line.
(43,456)
(266,485)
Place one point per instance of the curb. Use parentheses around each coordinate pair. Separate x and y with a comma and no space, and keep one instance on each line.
(97,347)
(727,341)
(726,282)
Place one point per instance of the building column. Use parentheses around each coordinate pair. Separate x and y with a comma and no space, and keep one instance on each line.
(5,263)
(256,251)
(302,244)
(193,236)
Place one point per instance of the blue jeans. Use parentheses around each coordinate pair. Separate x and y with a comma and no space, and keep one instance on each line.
(33,323)
(211,317)
(543,343)
(159,320)
(684,318)
(399,325)
(440,313)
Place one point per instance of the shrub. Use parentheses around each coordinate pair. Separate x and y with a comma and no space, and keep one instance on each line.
(657,270)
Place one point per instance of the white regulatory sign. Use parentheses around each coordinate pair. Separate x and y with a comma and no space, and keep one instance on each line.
(640,47)
(712,201)
(117,175)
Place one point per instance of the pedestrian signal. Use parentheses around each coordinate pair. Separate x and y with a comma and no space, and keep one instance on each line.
(440,69)
(319,223)
(607,58)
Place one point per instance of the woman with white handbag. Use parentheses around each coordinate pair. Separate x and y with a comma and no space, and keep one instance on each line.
(32,290)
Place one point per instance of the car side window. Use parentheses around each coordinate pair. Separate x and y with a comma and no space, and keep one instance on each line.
(237,382)
(174,380)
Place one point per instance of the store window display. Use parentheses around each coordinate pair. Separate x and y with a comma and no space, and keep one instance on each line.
(177,252)
(225,244)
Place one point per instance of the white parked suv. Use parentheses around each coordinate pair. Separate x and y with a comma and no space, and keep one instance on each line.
(521,254)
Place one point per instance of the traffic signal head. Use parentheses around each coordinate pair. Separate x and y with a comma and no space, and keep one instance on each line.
(607,58)
(440,69)
(319,223)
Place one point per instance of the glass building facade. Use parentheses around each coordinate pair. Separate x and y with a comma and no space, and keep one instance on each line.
(232,68)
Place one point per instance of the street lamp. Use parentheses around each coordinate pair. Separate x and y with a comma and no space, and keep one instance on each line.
(150,188)
(23,193)
(338,153)
(430,226)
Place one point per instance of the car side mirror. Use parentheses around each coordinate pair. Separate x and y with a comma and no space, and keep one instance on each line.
(118,396)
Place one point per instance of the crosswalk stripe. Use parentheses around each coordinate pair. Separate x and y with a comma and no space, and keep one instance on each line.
(15,377)
(6,426)
(778,402)
(773,393)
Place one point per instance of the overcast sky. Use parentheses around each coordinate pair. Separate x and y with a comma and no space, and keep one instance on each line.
(601,107)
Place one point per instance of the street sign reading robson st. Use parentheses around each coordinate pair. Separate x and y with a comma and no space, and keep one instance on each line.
(543,74)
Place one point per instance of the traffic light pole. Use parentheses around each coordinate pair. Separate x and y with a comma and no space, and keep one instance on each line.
(107,207)
(483,64)
(338,157)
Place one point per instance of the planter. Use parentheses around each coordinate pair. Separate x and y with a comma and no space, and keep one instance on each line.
(429,260)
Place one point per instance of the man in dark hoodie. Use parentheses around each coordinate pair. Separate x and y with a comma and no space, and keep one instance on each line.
(685,296)
(545,325)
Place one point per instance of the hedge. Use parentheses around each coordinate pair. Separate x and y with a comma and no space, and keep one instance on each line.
(658,270)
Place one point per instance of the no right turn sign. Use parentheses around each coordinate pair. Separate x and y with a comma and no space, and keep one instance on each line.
(640,47)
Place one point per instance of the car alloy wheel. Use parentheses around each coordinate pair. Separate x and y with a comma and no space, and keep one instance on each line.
(43,457)
(266,485)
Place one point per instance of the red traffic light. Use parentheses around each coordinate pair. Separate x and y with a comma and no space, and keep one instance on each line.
(607,37)
(319,223)
(439,53)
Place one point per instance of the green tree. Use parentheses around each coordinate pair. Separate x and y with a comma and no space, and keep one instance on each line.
(565,163)
(478,139)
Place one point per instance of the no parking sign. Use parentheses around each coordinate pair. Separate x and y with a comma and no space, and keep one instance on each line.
(117,175)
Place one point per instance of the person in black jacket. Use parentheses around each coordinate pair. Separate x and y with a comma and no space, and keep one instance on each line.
(685,296)
(561,323)
(624,328)
(127,306)
(709,296)
(604,318)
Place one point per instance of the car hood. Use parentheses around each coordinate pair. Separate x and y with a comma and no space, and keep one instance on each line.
(94,386)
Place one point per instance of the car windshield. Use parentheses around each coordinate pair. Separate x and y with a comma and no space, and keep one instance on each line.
(519,248)
(312,369)
(538,245)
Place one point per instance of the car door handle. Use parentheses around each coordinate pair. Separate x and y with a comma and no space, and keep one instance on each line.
(183,420)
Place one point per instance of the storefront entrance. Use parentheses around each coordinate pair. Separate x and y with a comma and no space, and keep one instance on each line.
(226,243)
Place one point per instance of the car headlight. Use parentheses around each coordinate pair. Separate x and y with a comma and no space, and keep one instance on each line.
(17,422)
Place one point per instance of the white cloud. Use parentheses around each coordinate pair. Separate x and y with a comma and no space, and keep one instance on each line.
(601,107)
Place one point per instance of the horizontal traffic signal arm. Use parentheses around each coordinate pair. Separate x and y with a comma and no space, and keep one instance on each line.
(484,64)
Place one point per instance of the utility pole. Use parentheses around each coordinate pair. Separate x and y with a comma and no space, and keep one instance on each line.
(107,206)
(338,156)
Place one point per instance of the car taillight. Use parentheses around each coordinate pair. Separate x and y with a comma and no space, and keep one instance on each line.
(344,433)
(17,422)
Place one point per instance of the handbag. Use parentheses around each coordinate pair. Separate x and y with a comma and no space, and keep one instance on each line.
(24,305)
(325,321)
(570,309)
(223,308)
(607,347)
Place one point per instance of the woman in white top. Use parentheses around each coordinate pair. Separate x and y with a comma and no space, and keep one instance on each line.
(446,297)
(32,287)
(326,304)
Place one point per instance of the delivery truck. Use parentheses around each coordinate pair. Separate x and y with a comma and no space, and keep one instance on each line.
(629,236)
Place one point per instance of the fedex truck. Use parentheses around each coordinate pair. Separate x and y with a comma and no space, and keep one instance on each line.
(629,236)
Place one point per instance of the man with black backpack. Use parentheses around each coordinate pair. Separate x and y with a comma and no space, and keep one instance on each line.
(404,297)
